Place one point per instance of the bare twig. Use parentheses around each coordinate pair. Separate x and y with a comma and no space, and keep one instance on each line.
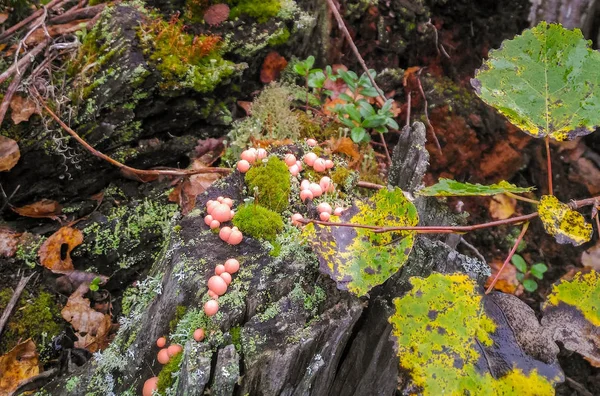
(520,198)
(473,249)
(123,167)
(408,105)
(360,59)
(26,59)
(549,159)
(9,32)
(7,199)
(426,111)
(77,13)
(372,186)
(438,46)
(512,252)
(13,301)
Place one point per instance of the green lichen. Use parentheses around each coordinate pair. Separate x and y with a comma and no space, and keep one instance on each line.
(439,327)
(270,184)
(37,317)
(262,11)
(72,383)
(310,301)
(258,222)
(27,252)
(169,374)
(280,37)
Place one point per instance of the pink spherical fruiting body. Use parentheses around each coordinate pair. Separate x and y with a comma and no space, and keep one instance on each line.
(261,154)
(219,269)
(222,213)
(228,202)
(304,185)
(310,158)
(232,266)
(243,166)
(325,183)
(161,342)
(214,224)
(315,189)
(213,295)
(211,307)
(324,216)
(217,285)
(295,218)
(199,335)
(311,142)
(338,211)
(163,356)
(226,277)
(174,349)
(290,159)
(324,207)
(319,165)
(249,156)
(329,164)
(235,238)
(294,170)
(306,194)
(208,219)
(150,386)
(212,206)
(225,233)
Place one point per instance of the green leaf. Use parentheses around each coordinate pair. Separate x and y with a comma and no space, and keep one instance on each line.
(359,259)
(392,123)
(358,134)
(449,188)
(562,222)
(520,276)
(445,335)
(530,285)
(309,62)
(546,82)
(346,97)
(387,106)
(538,270)
(518,261)
(316,79)
(300,69)
(346,121)
(351,110)
(369,91)
(374,121)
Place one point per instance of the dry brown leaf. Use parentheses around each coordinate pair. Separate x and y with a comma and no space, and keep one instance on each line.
(9,242)
(502,206)
(272,67)
(3,17)
(247,106)
(189,188)
(92,327)
(264,143)
(9,153)
(591,257)
(46,208)
(19,364)
(507,282)
(209,150)
(22,109)
(137,177)
(60,245)
(345,146)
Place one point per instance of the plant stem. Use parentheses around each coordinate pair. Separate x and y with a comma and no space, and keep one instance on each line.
(550,190)
(512,252)
(372,186)
(426,111)
(360,59)
(426,229)
(123,167)
(520,198)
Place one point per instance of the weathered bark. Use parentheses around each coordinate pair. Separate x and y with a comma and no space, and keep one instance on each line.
(571,14)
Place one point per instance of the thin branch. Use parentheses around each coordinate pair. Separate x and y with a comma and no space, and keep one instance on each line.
(360,59)
(77,13)
(426,111)
(13,301)
(9,32)
(369,185)
(123,167)
(473,249)
(512,252)
(549,159)
(426,229)
(26,59)
(408,105)
(12,88)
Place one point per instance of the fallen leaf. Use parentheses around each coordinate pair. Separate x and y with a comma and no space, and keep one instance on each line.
(189,188)
(55,252)
(68,283)
(19,364)
(247,106)
(502,206)
(264,143)
(507,282)
(272,67)
(9,153)
(3,17)
(209,150)
(346,146)
(46,208)
(591,257)
(92,327)
(137,177)
(9,242)
(22,109)
(563,223)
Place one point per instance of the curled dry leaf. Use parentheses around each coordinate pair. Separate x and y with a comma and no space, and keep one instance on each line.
(46,208)
(272,67)
(502,206)
(22,109)
(9,242)
(189,188)
(3,17)
(507,282)
(19,364)
(591,257)
(345,146)
(208,151)
(60,245)
(247,106)
(9,153)
(92,327)
(68,283)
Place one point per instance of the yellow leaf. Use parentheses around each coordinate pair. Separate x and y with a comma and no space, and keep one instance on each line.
(502,206)
(17,365)
(562,222)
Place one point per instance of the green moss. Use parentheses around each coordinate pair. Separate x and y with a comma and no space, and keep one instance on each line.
(344,178)
(281,36)
(271,184)
(236,338)
(262,11)
(166,377)
(27,251)
(37,317)
(258,222)
(72,383)
(179,312)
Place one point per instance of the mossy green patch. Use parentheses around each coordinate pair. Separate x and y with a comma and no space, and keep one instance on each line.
(270,182)
(258,222)
(179,312)
(438,327)
(167,377)
(262,11)
(280,37)
(37,317)
(582,292)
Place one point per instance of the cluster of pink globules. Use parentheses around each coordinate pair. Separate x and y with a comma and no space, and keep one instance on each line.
(220,211)
(249,157)
(164,356)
